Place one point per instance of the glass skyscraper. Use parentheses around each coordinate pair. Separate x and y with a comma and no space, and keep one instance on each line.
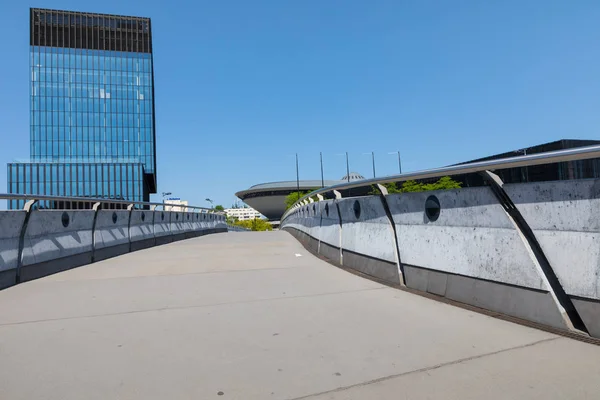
(92,127)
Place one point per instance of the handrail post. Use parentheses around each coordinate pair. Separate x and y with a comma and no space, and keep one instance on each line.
(153,208)
(130,209)
(96,207)
(28,208)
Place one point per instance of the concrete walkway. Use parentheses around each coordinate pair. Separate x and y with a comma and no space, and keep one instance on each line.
(254,316)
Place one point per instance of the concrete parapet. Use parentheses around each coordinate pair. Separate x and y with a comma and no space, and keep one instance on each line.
(37,243)
(461,244)
(56,241)
(141,229)
(177,225)
(11,223)
(111,236)
(162,227)
(368,243)
(330,232)
(563,216)
(472,236)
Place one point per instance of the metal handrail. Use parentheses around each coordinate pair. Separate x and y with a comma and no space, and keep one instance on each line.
(39,197)
(550,157)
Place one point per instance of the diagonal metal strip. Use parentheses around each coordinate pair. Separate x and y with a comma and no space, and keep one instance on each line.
(563,300)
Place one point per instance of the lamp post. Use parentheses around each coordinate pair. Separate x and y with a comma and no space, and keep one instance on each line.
(399,163)
(297,179)
(322,179)
(373,158)
(165,194)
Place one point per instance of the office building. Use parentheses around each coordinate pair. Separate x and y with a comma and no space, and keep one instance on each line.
(243,213)
(92,120)
(175,204)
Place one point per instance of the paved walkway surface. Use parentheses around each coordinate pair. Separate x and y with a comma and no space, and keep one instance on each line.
(254,316)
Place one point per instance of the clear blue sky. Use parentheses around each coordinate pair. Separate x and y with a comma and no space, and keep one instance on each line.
(243,85)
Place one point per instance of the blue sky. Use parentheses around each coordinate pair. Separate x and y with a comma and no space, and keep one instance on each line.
(243,85)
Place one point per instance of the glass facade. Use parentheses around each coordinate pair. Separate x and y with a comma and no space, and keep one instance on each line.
(92,107)
(95,180)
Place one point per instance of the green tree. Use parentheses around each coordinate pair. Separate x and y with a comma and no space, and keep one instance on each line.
(444,183)
(255,224)
(219,207)
(291,198)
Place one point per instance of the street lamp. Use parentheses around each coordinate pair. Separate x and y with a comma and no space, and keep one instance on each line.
(210,201)
(373,157)
(165,194)
(399,163)
(322,179)
(347,166)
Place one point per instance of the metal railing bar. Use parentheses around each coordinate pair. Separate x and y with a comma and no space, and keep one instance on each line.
(576,154)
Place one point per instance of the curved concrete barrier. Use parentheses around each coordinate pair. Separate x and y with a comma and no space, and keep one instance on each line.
(141,229)
(196,224)
(12,224)
(563,216)
(465,245)
(162,227)
(368,243)
(111,236)
(471,252)
(55,241)
(49,241)
(177,225)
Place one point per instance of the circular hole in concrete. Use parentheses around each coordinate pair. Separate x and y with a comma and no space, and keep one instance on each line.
(114,217)
(143,217)
(432,208)
(65,219)
(356,208)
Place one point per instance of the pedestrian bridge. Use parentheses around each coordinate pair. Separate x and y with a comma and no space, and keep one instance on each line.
(253,315)
(488,291)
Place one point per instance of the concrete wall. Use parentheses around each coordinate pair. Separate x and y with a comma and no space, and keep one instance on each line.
(11,223)
(368,243)
(141,229)
(54,241)
(473,251)
(111,237)
(563,216)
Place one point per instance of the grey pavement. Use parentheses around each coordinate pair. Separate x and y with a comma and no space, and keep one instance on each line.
(255,316)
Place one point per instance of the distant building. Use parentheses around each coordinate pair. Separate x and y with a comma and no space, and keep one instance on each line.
(582,169)
(243,214)
(91,95)
(269,198)
(176,204)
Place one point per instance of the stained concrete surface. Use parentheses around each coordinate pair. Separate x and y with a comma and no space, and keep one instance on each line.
(241,316)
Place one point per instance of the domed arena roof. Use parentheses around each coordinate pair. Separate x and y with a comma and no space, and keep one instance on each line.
(354,176)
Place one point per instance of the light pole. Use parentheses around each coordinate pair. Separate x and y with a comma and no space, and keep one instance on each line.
(399,163)
(322,179)
(347,167)
(297,179)
(210,201)
(373,158)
